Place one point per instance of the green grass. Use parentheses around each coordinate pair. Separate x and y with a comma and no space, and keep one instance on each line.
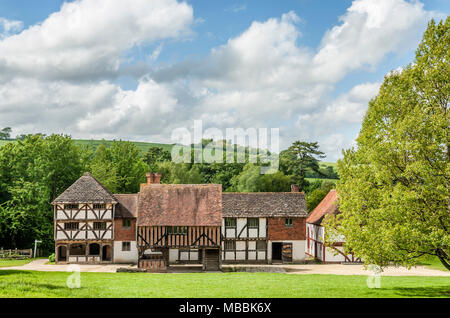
(222,285)
(432,262)
(321,179)
(14,262)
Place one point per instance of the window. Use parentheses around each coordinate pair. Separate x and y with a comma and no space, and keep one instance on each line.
(261,245)
(99,226)
(77,249)
(72,226)
(288,222)
(253,223)
(126,246)
(230,222)
(230,245)
(99,206)
(126,223)
(71,206)
(177,230)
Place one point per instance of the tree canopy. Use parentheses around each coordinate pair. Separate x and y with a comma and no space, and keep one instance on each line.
(394,186)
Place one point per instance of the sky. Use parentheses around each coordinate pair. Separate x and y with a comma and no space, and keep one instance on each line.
(139,69)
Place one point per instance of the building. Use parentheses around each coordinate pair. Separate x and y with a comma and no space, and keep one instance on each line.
(84,223)
(168,224)
(182,220)
(315,233)
(264,227)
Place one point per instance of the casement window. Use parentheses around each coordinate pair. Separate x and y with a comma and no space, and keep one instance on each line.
(253,223)
(126,246)
(230,245)
(71,206)
(99,225)
(77,250)
(230,222)
(261,245)
(126,223)
(288,222)
(72,226)
(99,206)
(177,230)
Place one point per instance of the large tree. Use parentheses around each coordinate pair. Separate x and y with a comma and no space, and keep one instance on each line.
(394,188)
(300,158)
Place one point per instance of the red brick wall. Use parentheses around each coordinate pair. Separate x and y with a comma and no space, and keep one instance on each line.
(124,234)
(278,231)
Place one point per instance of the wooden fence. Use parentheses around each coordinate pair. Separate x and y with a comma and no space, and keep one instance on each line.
(16,253)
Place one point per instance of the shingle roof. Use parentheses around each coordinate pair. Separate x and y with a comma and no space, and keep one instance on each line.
(86,189)
(327,206)
(180,205)
(127,206)
(264,204)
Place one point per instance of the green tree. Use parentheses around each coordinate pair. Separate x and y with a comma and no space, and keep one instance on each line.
(394,188)
(155,155)
(5,133)
(120,167)
(299,158)
(316,196)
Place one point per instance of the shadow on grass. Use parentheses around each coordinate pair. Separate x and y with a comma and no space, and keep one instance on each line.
(12,272)
(438,291)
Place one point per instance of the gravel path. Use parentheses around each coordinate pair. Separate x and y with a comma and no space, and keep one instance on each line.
(334,269)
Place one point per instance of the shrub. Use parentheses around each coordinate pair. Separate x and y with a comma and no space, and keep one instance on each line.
(51,258)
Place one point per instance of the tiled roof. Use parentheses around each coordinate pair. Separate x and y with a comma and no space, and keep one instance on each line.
(180,205)
(261,204)
(127,206)
(86,189)
(327,206)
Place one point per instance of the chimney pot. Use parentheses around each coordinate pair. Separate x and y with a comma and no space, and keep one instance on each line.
(157,178)
(149,178)
(295,188)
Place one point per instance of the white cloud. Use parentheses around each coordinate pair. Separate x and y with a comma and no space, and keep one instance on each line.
(9,27)
(263,77)
(87,38)
(369,30)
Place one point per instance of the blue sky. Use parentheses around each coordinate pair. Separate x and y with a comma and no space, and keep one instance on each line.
(138,70)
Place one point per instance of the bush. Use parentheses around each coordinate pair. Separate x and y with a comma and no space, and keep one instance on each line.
(51,258)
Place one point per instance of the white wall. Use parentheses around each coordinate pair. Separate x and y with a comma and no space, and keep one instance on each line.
(125,256)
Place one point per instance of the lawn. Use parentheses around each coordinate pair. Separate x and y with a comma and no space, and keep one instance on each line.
(432,262)
(222,285)
(14,262)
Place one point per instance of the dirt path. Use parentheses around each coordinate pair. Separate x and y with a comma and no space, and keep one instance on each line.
(334,269)
(39,265)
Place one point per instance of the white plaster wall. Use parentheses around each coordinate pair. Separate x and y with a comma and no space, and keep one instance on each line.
(125,256)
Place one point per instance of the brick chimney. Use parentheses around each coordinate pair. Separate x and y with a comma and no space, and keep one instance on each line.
(157,178)
(149,178)
(295,188)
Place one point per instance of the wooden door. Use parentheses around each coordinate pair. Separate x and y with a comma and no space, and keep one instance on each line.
(287,252)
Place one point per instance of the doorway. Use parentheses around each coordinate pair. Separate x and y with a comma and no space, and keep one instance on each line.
(276,251)
(106,255)
(62,253)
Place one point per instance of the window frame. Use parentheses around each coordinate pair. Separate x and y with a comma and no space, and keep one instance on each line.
(71,206)
(124,226)
(287,223)
(253,226)
(231,226)
(226,248)
(177,230)
(102,228)
(71,226)
(99,206)
(259,248)
(126,246)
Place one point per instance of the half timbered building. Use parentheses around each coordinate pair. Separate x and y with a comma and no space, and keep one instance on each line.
(315,233)
(264,227)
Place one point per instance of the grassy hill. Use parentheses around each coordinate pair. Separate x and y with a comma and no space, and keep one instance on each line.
(144,146)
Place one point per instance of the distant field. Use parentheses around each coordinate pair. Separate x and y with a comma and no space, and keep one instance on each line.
(143,146)
(321,179)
